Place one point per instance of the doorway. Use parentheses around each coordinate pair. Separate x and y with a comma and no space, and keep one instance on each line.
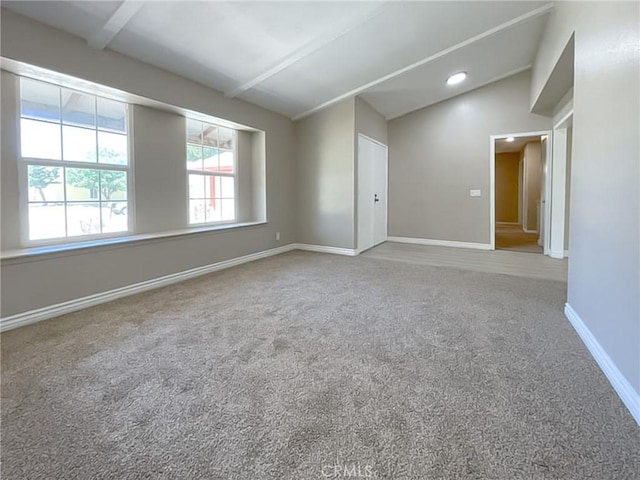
(519,210)
(372,171)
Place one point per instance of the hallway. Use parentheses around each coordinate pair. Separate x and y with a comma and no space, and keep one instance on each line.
(513,238)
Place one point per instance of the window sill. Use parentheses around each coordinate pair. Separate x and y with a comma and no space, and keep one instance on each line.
(77,247)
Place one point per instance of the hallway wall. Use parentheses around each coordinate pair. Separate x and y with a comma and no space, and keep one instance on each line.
(507,178)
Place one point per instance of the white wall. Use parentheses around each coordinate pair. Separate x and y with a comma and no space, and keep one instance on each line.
(437,154)
(38,281)
(604,262)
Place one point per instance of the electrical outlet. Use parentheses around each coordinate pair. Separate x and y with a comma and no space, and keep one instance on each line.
(277,235)
(474,193)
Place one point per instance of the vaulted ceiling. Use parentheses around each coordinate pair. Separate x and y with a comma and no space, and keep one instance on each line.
(298,57)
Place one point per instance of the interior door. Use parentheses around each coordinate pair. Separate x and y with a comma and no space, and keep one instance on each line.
(372,193)
(380,194)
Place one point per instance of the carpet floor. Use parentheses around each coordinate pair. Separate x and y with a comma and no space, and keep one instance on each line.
(312,366)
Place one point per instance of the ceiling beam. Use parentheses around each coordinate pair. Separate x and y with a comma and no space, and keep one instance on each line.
(125,12)
(306,50)
(493,31)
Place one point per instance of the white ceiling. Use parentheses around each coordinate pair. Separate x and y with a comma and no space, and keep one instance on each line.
(298,57)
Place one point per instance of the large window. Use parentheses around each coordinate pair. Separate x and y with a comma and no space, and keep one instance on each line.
(75,162)
(211,167)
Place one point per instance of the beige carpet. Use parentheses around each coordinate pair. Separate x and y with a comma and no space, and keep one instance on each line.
(513,238)
(306,366)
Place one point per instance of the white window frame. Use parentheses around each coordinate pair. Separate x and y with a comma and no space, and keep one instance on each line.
(25,162)
(233,175)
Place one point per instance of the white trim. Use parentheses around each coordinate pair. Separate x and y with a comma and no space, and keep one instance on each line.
(529,231)
(554,254)
(566,253)
(620,384)
(492,181)
(561,123)
(51,311)
(489,33)
(492,192)
(441,243)
(546,195)
(33,316)
(373,140)
(115,241)
(559,181)
(351,252)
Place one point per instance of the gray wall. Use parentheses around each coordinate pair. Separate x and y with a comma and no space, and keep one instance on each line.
(437,154)
(604,262)
(326,178)
(507,182)
(38,281)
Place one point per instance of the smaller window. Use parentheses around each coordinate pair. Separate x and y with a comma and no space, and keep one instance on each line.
(211,169)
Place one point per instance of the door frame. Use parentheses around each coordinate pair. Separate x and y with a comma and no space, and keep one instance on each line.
(357,188)
(559,177)
(546,180)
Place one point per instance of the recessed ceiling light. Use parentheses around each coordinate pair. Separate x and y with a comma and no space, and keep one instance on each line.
(456,78)
(509,139)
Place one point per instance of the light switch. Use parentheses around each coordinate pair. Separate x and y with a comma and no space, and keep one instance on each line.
(474,193)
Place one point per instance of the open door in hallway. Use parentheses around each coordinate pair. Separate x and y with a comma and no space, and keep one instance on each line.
(520,163)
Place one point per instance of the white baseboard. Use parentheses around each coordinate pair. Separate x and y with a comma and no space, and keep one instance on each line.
(553,254)
(45,313)
(351,252)
(620,384)
(441,243)
(529,231)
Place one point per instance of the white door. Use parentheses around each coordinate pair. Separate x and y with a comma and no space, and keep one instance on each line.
(372,193)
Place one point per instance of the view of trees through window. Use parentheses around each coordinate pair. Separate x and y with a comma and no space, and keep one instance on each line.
(74,148)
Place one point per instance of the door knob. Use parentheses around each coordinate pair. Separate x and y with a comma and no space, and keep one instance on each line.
(375,197)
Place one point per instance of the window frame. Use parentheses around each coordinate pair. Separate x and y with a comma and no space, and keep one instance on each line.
(204,173)
(23,164)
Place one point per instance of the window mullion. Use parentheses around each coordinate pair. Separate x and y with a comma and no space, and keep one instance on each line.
(68,164)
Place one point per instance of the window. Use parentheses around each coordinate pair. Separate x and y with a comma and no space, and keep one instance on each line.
(74,156)
(211,167)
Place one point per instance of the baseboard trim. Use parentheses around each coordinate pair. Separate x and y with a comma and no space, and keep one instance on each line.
(558,255)
(566,253)
(45,313)
(441,243)
(350,252)
(621,385)
(529,231)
